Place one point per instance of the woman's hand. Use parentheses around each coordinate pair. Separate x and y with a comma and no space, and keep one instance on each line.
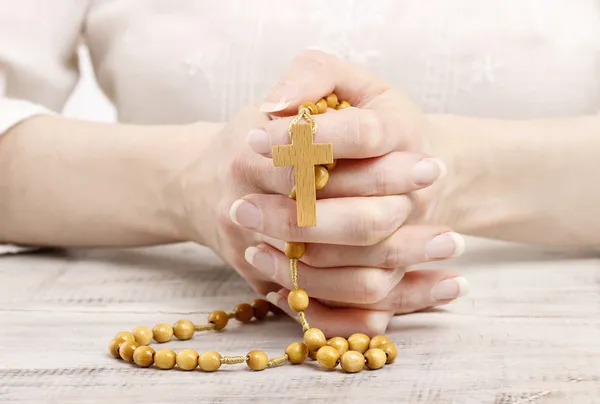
(359,251)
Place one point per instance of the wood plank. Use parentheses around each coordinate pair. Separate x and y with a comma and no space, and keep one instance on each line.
(528,333)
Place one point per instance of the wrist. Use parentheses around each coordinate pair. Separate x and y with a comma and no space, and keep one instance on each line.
(480,157)
(191,189)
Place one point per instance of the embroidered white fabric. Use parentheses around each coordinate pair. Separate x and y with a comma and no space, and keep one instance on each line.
(187,60)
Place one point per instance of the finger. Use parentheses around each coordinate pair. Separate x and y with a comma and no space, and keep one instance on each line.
(354,133)
(314,74)
(418,290)
(407,246)
(336,322)
(350,221)
(393,174)
(361,285)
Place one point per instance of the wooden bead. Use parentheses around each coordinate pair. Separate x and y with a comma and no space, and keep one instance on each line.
(328,357)
(378,341)
(162,333)
(183,330)
(244,312)
(322,106)
(292,193)
(164,358)
(125,336)
(298,300)
(390,351)
(343,104)
(311,106)
(375,358)
(143,356)
(261,308)
(314,339)
(126,350)
(332,100)
(352,361)
(321,177)
(187,359)
(296,352)
(143,335)
(113,347)
(358,342)
(339,343)
(219,318)
(257,360)
(294,249)
(209,361)
(331,166)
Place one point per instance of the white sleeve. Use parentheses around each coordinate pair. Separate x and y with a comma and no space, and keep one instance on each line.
(13,111)
(38,63)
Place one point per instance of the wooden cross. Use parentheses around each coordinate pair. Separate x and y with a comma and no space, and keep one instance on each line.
(304,155)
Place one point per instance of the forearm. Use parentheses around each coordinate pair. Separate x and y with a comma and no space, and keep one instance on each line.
(526,181)
(69,183)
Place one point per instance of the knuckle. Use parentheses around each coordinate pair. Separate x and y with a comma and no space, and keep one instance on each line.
(392,254)
(289,225)
(401,300)
(373,285)
(383,178)
(377,222)
(240,167)
(369,128)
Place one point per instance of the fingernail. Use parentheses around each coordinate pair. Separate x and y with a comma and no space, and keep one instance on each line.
(260,260)
(245,214)
(445,245)
(428,170)
(273,298)
(259,141)
(280,97)
(451,288)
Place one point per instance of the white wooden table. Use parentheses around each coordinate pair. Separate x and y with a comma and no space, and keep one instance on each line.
(528,333)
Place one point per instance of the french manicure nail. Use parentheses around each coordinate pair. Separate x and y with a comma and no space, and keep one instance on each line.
(245,214)
(260,260)
(446,245)
(428,170)
(259,141)
(273,298)
(280,97)
(451,288)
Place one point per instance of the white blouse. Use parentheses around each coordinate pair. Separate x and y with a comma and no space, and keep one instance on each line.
(178,61)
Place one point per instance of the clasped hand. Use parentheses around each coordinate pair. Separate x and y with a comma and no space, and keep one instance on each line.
(373,216)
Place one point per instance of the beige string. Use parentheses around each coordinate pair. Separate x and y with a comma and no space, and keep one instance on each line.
(303,112)
(280,360)
(303,322)
(232,360)
(294,272)
(204,327)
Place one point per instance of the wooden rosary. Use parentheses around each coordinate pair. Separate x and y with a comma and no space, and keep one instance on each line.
(311,163)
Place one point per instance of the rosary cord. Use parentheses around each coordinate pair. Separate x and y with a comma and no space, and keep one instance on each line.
(232,360)
(294,272)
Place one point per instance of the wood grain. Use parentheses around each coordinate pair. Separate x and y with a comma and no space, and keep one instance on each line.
(528,333)
(303,155)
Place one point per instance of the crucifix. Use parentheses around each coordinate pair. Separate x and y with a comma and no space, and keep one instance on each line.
(304,155)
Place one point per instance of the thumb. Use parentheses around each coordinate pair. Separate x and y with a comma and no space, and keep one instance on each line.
(315,74)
